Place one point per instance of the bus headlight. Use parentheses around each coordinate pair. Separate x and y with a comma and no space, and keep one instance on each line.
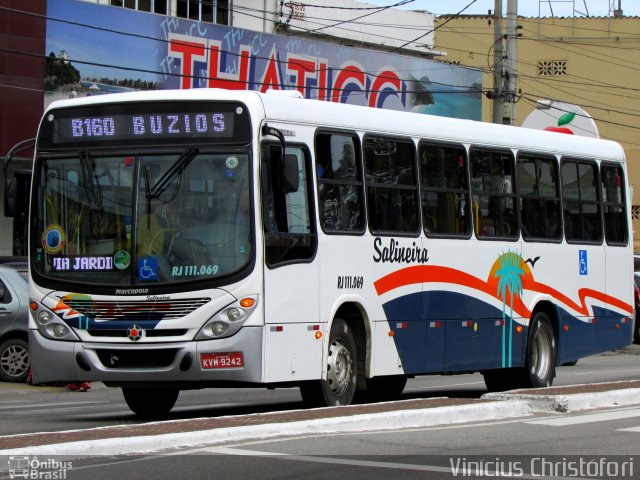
(229,320)
(234,314)
(50,325)
(218,329)
(59,331)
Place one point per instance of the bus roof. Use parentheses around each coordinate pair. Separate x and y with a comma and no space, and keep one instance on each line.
(287,109)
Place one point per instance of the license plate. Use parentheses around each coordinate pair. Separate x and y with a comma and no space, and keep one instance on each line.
(221,360)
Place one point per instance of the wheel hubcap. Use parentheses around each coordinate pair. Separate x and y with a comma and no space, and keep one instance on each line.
(340,367)
(14,361)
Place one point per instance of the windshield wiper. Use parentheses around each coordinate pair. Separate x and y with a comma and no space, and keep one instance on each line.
(146,188)
(177,168)
(91,189)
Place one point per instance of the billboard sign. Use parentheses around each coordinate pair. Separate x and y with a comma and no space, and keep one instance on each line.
(94,49)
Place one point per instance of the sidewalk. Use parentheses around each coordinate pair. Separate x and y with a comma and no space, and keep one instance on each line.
(421,413)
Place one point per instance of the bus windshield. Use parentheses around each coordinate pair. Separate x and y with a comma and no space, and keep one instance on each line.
(142,219)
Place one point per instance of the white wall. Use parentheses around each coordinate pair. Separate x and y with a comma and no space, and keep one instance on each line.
(380,28)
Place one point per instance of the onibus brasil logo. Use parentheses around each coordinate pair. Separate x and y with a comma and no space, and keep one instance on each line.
(38,468)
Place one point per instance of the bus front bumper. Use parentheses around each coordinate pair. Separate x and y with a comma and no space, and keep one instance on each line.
(233,359)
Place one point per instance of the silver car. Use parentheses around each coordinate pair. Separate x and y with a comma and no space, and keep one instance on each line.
(14,315)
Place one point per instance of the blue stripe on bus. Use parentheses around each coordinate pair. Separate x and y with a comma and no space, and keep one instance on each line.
(440,331)
(602,332)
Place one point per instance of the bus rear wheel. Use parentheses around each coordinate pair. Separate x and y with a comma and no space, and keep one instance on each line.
(541,352)
(150,402)
(340,385)
(540,362)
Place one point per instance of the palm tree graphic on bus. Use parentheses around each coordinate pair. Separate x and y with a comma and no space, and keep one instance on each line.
(509,275)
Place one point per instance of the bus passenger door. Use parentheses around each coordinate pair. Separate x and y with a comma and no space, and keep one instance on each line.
(292,351)
(615,329)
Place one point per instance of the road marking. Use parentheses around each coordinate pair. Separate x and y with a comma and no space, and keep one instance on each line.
(31,406)
(455,468)
(330,460)
(630,429)
(589,418)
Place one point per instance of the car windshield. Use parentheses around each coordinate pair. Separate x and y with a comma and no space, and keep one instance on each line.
(143,219)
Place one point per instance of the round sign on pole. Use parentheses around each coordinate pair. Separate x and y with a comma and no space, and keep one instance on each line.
(561,117)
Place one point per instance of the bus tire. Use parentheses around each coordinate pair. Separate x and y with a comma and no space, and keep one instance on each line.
(150,402)
(540,362)
(340,385)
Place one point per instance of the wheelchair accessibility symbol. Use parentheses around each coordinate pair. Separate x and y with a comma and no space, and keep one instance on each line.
(584,264)
(147,269)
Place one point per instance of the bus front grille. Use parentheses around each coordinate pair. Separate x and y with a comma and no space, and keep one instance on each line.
(117,333)
(103,310)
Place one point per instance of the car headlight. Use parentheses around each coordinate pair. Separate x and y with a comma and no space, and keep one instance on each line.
(44,317)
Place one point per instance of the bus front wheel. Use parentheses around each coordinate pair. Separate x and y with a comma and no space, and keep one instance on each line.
(150,402)
(340,385)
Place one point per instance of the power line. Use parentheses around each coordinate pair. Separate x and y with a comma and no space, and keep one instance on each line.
(434,28)
(628,127)
(576,27)
(555,45)
(606,108)
(380,9)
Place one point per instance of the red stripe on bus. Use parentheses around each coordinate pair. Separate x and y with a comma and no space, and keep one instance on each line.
(437,274)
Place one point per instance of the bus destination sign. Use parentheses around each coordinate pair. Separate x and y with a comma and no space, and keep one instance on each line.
(118,127)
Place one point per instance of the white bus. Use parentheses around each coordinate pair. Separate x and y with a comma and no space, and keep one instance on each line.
(212,238)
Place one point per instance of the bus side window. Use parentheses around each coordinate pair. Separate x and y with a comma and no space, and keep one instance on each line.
(392,186)
(581,201)
(615,204)
(492,187)
(445,190)
(340,193)
(539,197)
(288,216)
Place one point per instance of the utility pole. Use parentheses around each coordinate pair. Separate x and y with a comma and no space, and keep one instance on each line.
(511,69)
(496,94)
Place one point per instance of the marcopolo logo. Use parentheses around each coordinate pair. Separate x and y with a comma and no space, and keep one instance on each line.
(38,468)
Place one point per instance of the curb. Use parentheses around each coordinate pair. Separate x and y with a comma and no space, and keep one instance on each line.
(427,417)
(574,402)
